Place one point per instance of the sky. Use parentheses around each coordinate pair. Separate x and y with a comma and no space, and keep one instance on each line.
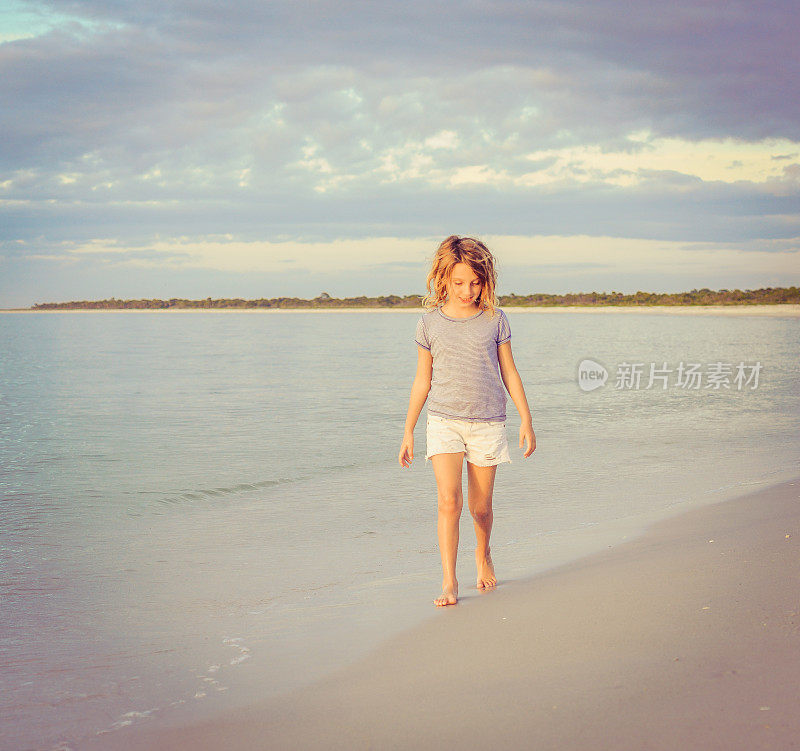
(283,148)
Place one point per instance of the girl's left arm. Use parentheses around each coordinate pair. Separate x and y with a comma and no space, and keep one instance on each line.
(513,384)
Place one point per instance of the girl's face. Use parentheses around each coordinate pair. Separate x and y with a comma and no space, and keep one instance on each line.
(464,287)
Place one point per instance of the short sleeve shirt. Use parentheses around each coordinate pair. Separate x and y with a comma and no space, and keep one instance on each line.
(466,382)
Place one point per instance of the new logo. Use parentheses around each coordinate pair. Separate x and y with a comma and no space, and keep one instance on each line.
(591,375)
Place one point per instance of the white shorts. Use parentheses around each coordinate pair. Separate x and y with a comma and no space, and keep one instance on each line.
(483,443)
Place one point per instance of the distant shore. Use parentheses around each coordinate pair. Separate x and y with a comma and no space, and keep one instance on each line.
(695,298)
(778,310)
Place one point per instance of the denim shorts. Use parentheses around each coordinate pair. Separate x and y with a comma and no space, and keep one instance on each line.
(484,443)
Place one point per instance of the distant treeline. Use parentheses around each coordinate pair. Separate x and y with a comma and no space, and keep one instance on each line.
(765,296)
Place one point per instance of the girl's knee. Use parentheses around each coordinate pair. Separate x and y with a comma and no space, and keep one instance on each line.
(450,500)
(481,510)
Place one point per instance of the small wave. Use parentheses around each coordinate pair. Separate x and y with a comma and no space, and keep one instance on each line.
(236,643)
(765,478)
(204,494)
(208,493)
(128,719)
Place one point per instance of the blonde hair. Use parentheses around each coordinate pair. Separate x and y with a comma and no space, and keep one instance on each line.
(461,250)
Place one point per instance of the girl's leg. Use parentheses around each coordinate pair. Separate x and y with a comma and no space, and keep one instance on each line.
(447,469)
(481,488)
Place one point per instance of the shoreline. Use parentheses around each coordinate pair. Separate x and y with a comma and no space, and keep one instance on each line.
(780,310)
(685,636)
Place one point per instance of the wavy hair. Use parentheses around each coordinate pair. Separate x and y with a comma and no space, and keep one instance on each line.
(461,250)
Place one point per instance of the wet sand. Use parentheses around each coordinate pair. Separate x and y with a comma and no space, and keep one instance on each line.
(687,637)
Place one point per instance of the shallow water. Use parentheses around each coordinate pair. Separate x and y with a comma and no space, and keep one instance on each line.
(199,507)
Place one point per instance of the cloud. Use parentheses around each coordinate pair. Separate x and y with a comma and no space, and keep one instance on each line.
(541,252)
(291,127)
(631,255)
(232,255)
(155,77)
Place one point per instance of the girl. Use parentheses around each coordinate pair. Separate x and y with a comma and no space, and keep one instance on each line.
(462,340)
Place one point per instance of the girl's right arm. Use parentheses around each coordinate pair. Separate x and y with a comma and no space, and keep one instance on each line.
(419,393)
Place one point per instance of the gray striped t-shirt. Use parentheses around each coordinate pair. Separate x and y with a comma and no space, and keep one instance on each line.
(466,381)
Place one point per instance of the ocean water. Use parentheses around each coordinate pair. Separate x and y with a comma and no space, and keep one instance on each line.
(201,509)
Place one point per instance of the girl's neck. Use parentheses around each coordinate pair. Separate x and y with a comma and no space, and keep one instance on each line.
(460,311)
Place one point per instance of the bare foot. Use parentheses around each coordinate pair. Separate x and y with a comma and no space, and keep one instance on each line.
(449,595)
(486,577)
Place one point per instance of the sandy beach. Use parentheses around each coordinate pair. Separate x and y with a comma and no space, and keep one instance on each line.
(771,311)
(686,637)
